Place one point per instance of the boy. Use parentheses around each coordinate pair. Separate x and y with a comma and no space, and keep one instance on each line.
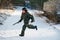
(26,17)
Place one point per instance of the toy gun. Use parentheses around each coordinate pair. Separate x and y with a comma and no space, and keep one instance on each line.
(15,23)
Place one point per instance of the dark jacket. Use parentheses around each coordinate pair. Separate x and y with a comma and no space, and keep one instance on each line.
(26,17)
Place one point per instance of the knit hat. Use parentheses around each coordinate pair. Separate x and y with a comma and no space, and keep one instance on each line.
(24,9)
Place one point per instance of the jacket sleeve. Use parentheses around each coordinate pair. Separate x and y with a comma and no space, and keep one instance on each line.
(21,18)
(32,18)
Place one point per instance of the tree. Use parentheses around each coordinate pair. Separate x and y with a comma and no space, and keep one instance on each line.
(5,3)
(38,3)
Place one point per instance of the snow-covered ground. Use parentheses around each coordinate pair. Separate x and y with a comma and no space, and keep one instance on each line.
(8,31)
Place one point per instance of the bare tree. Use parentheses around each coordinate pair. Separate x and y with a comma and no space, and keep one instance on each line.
(5,4)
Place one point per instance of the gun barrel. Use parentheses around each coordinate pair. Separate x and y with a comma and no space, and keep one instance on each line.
(14,23)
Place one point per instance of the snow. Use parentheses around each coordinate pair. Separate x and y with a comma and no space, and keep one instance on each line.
(45,31)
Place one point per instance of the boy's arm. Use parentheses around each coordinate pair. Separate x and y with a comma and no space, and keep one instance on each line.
(19,20)
(32,18)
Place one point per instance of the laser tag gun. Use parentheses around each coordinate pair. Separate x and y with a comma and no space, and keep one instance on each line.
(15,23)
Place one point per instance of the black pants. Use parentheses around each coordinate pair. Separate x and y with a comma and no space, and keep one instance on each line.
(24,28)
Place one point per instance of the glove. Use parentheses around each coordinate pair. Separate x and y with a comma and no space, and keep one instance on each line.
(32,21)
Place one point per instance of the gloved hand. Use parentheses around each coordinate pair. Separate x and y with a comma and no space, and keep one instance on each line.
(32,21)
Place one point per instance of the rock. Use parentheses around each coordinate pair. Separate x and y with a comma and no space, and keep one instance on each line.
(49,7)
(51,10)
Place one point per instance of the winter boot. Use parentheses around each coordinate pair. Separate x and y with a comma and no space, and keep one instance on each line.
(36,27)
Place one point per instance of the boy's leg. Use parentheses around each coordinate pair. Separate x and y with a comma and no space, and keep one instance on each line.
(23,30)
(32,27)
